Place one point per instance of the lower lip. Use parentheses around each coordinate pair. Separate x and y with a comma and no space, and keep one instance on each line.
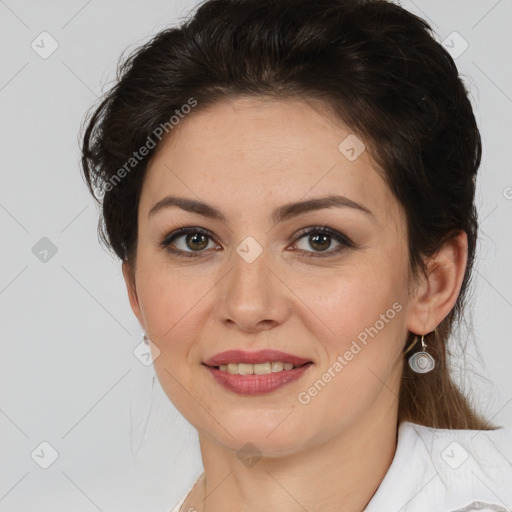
(257,384)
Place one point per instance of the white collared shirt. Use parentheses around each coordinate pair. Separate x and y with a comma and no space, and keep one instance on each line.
(441,470)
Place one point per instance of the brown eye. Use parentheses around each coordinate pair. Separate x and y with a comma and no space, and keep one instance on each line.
(187,241)
(196,241)
(320,242)
(321,239)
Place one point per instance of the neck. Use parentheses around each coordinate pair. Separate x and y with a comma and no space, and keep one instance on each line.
(347,469)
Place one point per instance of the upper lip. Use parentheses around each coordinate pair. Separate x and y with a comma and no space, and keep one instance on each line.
(260,356)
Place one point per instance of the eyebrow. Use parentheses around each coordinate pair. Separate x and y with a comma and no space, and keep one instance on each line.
(280,214)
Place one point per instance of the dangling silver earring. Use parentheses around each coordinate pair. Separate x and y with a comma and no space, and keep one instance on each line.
(422,361)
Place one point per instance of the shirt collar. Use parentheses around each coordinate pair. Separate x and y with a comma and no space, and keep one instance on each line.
(446,471)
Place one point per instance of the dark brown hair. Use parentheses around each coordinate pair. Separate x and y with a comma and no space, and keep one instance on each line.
(381,71)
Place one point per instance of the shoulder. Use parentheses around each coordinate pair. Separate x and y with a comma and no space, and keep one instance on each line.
(448,471)
(460,456)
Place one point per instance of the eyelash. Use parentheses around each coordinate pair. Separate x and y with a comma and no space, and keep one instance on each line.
(344,241)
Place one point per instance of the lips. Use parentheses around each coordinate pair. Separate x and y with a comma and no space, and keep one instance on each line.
(261,356)
(253,385)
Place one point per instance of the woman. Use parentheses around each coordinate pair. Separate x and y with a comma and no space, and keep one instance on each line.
(290,187)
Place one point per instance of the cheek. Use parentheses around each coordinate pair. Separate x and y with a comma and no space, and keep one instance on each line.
(345,302)
(171,305)
(169,297)
(361,318)
(361,347)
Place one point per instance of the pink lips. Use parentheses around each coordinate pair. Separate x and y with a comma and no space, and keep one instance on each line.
(256,384)
(261,356)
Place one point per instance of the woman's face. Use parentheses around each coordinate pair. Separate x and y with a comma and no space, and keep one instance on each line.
(263,277)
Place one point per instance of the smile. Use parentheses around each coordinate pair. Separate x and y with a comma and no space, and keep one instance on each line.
(253,383)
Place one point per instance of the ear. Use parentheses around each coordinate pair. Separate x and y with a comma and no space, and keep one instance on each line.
(436,296)
(129,279)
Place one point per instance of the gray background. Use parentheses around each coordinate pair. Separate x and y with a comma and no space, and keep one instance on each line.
(68,374)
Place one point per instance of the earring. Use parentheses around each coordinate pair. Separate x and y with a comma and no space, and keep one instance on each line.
(145,339)
(422,361)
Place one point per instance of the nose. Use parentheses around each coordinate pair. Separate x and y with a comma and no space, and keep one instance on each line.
(252,297)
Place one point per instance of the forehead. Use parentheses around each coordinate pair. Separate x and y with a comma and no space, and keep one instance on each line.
(251,150)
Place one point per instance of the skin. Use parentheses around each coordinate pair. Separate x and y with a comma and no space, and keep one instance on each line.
(247,156)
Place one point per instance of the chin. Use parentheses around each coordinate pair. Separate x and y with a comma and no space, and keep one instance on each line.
(271,436)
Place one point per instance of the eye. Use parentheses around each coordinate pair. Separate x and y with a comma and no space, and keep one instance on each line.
(320,239)
(192,241)
(188,241)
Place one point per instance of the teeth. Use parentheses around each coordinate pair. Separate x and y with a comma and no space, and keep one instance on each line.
(258,369)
